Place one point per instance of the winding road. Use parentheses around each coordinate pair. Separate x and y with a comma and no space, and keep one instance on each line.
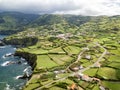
(78,58)
(80,71)
(99,59)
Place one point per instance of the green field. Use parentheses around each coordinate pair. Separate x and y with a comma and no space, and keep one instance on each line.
(43,61)
(112,85)
(109,73)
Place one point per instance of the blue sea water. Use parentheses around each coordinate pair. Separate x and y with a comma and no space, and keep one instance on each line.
(10,72)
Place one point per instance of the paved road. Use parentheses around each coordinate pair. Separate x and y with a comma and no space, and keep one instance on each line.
(99,59)
(80,71)
(48,84)
(78,58)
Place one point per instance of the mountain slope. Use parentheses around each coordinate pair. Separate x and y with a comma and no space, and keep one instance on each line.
(12,22)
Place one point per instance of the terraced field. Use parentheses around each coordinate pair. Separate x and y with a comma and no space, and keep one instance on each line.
(55,66)
(71,52)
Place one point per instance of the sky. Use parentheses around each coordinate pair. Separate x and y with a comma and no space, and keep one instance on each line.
(76,7)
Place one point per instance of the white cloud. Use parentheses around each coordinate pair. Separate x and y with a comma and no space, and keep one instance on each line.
(82,7)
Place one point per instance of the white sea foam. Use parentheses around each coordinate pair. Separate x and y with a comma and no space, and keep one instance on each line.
(5,63)
(27,69)
(14,48)
(17,77)
(2,46)
(8,54)
(8,87)
(3,57)
(22,59)
(25,63)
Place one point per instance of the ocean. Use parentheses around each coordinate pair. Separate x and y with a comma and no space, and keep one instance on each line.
(10,69)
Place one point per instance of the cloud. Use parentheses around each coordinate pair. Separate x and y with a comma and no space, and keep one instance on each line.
(77,7)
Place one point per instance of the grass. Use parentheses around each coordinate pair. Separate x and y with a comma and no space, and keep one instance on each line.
(56,88)
(116,52)
(56,50)
(32,86)
(87,64)
(91,72)
(33,80)
(114,65)
(47,81)
(61,59)
(58,53)
(112,85)
(83,84)
(39,51)
(34,50)
(72,49)
(68,81)
(83,60)
(63,75)
(96,87)
(45,62)
(54,57)
(114,58)
(107,73)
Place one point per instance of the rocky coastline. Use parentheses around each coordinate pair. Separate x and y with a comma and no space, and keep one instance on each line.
(30,58)
(1,43)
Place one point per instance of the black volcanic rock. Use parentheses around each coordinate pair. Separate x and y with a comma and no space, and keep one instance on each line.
(1,43)
(30,58)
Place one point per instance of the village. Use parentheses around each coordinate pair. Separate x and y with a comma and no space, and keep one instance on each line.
(75,69)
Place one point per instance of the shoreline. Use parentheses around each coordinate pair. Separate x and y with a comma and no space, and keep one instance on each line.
(29,57)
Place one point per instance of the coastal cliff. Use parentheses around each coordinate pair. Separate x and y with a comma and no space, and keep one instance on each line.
(31,58)
(21,42)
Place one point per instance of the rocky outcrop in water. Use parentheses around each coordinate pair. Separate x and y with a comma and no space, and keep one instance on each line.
(27,73)
(1,43)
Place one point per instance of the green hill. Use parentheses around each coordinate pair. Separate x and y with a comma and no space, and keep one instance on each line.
(51,26)
(12,22)
(66,50)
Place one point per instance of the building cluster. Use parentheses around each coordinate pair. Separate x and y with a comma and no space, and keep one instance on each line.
(64,36)
(86,77)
